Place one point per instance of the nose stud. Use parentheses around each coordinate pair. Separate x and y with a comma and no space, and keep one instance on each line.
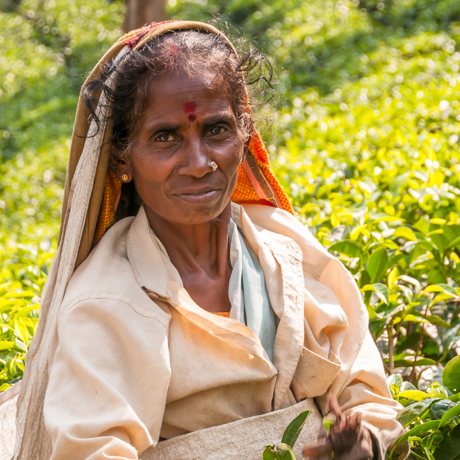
(214,165)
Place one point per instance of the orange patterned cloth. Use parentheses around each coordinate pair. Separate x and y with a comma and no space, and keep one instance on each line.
(110,199)
(225,314)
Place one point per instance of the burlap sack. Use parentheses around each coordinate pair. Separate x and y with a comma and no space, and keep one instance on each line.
(8,400)
(241,440)
(244,439)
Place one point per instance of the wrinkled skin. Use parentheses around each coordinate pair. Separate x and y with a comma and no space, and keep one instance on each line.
(347,438)
(187,125)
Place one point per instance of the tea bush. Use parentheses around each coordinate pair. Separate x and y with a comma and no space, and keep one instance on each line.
(366,142)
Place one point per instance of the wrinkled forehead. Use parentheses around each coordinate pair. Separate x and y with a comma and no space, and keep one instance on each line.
(172,95)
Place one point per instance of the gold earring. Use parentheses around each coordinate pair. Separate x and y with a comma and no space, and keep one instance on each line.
(125,177)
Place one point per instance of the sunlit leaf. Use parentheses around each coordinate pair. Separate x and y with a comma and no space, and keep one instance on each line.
(434,319)
(394,382)
(451,375)
(377,264)
(6,345)
(416,395)
(347,247)
(404,232)
(392,277)
(381,291)
(444,288)
(21,332)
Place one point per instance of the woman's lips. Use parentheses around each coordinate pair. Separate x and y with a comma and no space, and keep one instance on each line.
(199,197)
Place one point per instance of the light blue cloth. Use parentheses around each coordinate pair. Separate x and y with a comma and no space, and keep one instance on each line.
(248,293)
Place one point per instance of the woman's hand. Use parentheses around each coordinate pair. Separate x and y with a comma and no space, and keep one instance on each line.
(347,438)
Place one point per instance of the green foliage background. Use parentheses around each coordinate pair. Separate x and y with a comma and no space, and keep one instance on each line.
(366,142)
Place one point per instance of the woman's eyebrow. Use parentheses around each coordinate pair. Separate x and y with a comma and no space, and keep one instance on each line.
(226,116)
(207,119)
(161,126)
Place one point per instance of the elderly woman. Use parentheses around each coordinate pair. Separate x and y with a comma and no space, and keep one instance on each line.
(185,294)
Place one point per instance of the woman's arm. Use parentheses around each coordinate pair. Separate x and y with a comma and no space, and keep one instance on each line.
(108,382)
(364,395)
(339,355)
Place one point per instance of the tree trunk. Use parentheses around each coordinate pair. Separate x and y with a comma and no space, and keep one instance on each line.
(142,12)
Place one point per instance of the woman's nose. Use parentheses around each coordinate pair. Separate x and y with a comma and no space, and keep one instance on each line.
(194,159)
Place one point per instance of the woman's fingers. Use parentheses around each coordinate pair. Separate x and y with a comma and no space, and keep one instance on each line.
(334,407)
(318,450)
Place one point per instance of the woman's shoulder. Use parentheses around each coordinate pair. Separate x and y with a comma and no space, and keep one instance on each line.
(281,228)
(107,275)
(281,222)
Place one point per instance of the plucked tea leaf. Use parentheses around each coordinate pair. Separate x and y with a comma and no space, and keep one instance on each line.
(285,452)
(268,453)
(293,430)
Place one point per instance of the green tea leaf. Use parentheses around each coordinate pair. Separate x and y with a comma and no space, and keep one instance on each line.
(439,408)
(284,452)
(454,243)
(394,382)
(441,287)
(347,247)
(392,277)
(327,423)
(381,291)
(450,446)
(6,345)
(449,414)
(416,395)
(268,453)
(423,428)
(21,332)
(409,362)
(404,232)
(293,430)
(377,264)
(411,412)
(451,375)
(434,319)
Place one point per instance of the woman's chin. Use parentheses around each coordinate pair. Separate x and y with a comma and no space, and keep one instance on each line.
(192,210)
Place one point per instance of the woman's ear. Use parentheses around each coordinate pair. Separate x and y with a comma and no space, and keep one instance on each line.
(123,171)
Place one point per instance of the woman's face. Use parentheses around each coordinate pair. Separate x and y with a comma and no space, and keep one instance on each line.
(185,128)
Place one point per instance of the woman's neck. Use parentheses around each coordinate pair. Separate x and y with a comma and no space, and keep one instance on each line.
(193,249)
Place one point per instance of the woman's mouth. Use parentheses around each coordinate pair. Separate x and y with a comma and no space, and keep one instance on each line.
(199,197)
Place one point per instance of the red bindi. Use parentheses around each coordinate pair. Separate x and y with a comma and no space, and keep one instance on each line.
(192,117)
(189,107)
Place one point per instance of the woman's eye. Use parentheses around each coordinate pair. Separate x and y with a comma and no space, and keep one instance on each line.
(216,130)
(164,137)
